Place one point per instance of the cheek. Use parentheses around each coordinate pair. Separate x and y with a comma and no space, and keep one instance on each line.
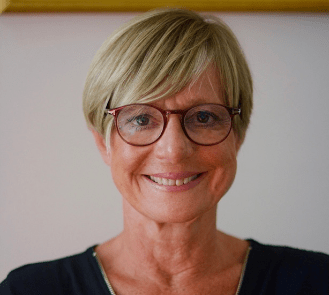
(224,176)
(126,164)
(123,156)
(123,165)
(223,168)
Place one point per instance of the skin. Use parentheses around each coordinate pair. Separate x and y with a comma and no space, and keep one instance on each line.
(170,244)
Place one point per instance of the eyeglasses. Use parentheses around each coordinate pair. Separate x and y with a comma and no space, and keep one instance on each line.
(143,124)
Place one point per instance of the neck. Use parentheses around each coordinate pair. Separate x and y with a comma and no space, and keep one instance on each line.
(173,258)
(172,248)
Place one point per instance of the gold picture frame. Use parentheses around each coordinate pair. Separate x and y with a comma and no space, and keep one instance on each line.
(35,6)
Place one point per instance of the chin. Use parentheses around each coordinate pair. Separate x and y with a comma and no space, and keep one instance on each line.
(177,213)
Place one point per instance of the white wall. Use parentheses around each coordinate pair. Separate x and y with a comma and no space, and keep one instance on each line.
(56,195)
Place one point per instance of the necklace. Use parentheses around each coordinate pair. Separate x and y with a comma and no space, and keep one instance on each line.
(244,266)
(109,286)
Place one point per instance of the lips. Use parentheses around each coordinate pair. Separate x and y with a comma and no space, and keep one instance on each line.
(175,175)
(173,179)
(175,185)
(172,182)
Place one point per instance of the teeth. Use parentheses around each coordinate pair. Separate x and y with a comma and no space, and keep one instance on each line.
(165,181)
(172,182)
(179,182)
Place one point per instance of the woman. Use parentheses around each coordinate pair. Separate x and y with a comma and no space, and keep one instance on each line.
(168,99)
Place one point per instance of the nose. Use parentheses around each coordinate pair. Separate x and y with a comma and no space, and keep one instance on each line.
(174,146)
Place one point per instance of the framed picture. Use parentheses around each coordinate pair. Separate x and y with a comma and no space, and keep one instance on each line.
(22,6)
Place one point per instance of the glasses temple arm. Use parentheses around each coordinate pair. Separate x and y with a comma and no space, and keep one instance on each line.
(235,111)
(111,112)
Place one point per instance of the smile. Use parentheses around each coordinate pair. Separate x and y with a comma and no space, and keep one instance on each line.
(173,182)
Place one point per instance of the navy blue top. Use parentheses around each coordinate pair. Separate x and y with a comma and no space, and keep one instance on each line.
(271,270)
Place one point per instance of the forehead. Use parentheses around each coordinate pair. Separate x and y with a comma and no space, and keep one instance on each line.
(206,89)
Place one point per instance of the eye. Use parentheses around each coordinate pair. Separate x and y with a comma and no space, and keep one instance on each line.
(203,117)
(139,118)
(142,120)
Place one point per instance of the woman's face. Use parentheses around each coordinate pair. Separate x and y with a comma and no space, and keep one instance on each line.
(174,156)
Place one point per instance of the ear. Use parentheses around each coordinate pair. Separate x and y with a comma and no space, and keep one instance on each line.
(100,142)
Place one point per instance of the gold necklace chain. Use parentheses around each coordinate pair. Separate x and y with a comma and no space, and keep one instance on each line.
(110,288)
(243,271)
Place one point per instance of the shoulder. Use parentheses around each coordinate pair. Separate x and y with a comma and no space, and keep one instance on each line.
(296,270)
(49,277)
(293,257)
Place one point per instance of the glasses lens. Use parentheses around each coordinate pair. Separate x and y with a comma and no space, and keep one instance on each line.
(207,124)
(140,124)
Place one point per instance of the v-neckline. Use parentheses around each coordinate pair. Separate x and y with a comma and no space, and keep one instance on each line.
(111,291)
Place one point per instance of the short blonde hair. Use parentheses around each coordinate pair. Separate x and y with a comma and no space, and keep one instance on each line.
(156,55)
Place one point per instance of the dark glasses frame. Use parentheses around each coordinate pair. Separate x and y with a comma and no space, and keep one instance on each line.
(165,114)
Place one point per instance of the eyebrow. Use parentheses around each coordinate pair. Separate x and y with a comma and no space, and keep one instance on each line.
(202,100)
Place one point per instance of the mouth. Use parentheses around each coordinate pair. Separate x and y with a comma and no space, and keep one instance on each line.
(173,182)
